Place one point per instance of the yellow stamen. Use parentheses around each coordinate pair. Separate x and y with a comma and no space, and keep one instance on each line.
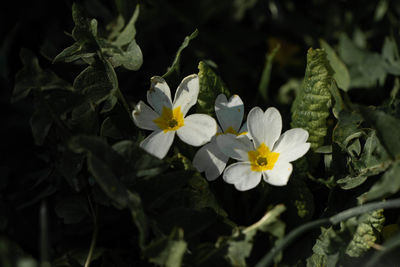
(170,120)
(231,131)
(262,158)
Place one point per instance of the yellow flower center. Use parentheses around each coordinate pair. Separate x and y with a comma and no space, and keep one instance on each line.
(262,158)
(170,120)
(231,131)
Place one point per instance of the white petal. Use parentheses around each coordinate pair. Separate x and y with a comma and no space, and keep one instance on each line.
(159,94)
(229,113)
(241,175)
(264,127)
(187,92)
(244,129)
(292,144)
(279,175)
(158,143)
(198,129)
(236,147)
(143,116)
(211,160)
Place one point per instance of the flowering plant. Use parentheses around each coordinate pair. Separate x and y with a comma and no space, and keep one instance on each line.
(92,174)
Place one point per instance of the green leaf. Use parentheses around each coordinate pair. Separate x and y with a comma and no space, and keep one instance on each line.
(106,166)
(325,249)
(240,244)
(128,53)
(391,56)
(311,106)
(131,58)
(167,251)
(41,122)
(387,128)
(97,82)
(347,129)
(381,10)
(84,119)
(122,51)
(349,52)
(72,209)
(372,161)
(85,35)
(211,86)
(175,64)
(367,230)
(129,33)
(341,76)
(365,68)
(387,185)
(301,198)
(33,77)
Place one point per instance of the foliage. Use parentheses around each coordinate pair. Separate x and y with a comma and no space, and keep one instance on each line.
(76,189)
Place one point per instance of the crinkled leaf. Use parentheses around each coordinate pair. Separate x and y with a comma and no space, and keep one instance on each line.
(341,75)
(301,198)
(175,64)
(325,249)
(167,251)
(312,104)
(368,227)
(211,86)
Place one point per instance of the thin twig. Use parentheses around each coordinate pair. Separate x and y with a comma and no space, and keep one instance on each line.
(94,237)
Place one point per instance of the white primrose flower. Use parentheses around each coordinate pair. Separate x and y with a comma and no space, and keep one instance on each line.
(209,158)
(168,117)
(269,155)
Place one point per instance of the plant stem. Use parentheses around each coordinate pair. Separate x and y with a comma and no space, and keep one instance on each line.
(121,98)
(268,258)
(266,74)
(344,215)
(94,237)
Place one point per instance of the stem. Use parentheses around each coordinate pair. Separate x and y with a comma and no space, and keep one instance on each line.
(94,237)
(344,215)
(121,98)
(266,74)
(281,245)
(44,235)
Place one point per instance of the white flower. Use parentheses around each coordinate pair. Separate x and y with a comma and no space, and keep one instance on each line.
(210,158)
(269,155)
(168,117)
